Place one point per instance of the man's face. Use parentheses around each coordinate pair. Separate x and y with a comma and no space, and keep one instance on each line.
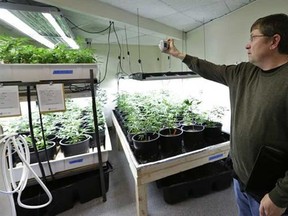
(258,48)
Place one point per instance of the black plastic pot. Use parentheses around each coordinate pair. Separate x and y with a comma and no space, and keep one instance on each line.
(129,139)
(213,134)
(76,148)
(193,137)
(146,146)
(170,141)
(51,152)
(93,143)
(54,138)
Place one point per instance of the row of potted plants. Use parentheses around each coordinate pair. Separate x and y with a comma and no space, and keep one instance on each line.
(73,130)
(157,125)
(20,50)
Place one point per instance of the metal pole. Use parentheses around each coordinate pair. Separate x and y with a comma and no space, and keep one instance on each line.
(93,95)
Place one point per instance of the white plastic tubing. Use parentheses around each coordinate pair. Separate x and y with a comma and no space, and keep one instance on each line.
(17,143)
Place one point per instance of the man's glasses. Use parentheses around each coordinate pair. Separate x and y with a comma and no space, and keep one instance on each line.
(254,36)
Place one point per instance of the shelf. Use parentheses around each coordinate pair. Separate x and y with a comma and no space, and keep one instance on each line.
(152,171)
(40,72)
(70,164)
(26,77)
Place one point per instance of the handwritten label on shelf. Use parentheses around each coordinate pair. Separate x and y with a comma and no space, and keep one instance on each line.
(9,101)
(51,97)
(215,157)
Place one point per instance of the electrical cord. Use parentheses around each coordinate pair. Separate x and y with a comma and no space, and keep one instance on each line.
(120,52)
(97,32)
(128,52)
(139,51)
(109,29)
(108,54)
(90,32)
(19,144)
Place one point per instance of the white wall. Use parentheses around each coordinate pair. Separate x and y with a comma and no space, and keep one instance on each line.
(226,37)
(224,43)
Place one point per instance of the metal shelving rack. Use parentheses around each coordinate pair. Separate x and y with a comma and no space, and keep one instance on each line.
(85,76)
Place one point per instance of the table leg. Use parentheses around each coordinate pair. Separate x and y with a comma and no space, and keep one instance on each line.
(141,199)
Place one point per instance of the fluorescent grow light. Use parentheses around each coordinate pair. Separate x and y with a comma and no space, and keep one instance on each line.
(14,21)
(44,24)
(163,75)
(56,26)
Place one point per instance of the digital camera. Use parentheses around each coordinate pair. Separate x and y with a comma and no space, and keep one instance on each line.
(163,45)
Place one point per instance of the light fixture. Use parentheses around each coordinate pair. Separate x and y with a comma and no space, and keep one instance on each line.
(12,20)
(163,75)
(42,23)
(56,26)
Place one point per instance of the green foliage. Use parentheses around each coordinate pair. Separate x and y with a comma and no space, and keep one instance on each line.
(39,143)
(140,112)
(154,111)
(189,109)
(88,118)
(213,117)
(72,130)
(71,123)
(18,125)
(65,125)
(147,113)
(19,50)
(77,120)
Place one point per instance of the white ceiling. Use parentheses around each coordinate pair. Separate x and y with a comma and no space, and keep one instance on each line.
(140,22)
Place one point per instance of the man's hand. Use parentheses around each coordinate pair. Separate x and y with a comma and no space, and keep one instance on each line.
(268,208)
(172,50)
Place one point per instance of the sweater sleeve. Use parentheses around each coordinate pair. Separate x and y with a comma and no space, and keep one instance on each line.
(279,194)
(218,73)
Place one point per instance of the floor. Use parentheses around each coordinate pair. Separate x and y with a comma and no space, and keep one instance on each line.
(121,197)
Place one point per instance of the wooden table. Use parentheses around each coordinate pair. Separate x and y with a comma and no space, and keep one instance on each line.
(152,171)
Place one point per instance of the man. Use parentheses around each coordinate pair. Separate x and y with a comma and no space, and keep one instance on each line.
(259,109)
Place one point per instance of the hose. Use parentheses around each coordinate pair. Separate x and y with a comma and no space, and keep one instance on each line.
(20,146)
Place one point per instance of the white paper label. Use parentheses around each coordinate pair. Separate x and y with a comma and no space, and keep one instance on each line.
(51,97)
(9,101)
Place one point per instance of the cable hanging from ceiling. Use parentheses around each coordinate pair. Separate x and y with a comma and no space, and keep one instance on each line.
(108,53)
(109,28)
(90,32)
(204,39)
(120,71)
(98,32)
(139,52)
(128,52)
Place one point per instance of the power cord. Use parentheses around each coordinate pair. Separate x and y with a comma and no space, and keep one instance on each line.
(19,144)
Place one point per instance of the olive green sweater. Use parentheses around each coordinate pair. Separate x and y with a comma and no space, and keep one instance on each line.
(259,113)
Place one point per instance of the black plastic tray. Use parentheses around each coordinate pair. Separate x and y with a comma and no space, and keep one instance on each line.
(65,192)
(195,182)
